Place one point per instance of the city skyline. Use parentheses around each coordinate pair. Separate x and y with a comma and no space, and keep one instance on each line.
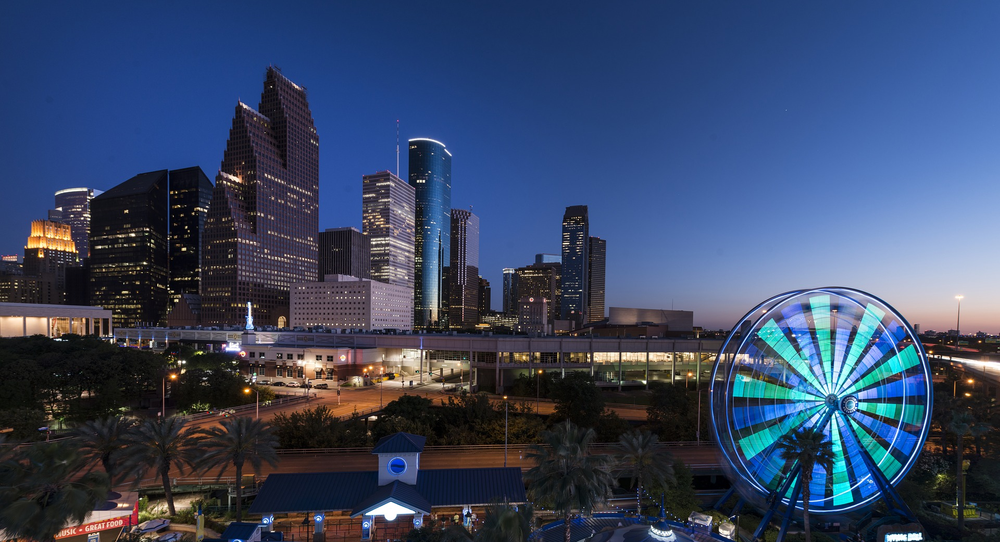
(706,140)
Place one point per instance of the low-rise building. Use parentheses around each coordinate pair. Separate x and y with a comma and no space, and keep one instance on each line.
(344,302)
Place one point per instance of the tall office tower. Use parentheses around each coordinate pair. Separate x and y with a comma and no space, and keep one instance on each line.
(510,297)
(49,251)
(430,175)
(547,258)
(387,218)
(463,273)
(575,261)
(598,258)
(190,195)
(260,236)
(485,298)
(74,206)
(540,281)
(128,250)
(344,251)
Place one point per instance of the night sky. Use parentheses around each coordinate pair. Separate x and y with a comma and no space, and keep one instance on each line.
(728,151)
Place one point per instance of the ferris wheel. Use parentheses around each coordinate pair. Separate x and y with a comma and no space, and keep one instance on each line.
(836,359)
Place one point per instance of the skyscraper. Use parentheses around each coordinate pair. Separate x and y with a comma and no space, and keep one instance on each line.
(540,281)
(510,297)
(575,263)
(50,250)
(190,195)
(430,175)
(485,298)
(598,254)
(263,221)
(128,256)
(463,272)
(344,251)
(387,219)
(73,206)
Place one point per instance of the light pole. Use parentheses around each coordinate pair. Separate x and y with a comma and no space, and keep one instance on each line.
(163,397)
(255,390)
(505,430)
(381,382)
(958,321)
(538,389)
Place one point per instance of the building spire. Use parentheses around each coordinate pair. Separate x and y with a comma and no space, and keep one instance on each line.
(397,147)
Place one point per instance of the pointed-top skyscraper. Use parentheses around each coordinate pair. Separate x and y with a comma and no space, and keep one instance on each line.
(575,263)
(260,236)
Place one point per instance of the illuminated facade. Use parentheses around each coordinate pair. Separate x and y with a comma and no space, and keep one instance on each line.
(510,291)
(344,251)
(430,175)
(49,251)
(598,260)
(387,218)
(575,263)
(263,221)
(128,250)
(540,281)
(73,206)
(345,302)
(463,272)
(190,195)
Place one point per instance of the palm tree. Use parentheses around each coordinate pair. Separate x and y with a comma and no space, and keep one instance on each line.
(645,461)
(808,447)
(104,440)
(960,425)
(237,441)
(42,490)
(566,476)
(505,523)
(160,444)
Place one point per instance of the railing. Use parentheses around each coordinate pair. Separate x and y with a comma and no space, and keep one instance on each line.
(606,446)
(251,407)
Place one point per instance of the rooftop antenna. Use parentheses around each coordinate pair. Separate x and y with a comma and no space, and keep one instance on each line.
(397,147)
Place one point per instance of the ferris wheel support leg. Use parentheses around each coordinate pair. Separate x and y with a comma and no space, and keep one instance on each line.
(725,497)
(791,509)
(774,502)
(893,502)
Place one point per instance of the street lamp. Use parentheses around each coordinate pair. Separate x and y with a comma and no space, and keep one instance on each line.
(505,403)
(958,321)
(257,391)
(381,382)
(687,380)
(538,389)
(163,412)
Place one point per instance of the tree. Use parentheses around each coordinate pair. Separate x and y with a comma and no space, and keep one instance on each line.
(671,412)
(42,489)
(807,447)
(237,441)
(578,399)
(318,428)
(645,462)
(566,475)
(506,523)
(162,445)
(960,425)
(104,441)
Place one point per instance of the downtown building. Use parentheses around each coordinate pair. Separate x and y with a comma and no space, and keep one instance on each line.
(263,221)
(344,251)
(575,264)
(48,254)
(540,281)
(510,291)
(463,271)
(430,176)
(128,250)
(596,272)
(351,303)
(388,204)
(73,208)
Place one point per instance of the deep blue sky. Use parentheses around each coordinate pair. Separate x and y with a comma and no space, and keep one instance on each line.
(728,151)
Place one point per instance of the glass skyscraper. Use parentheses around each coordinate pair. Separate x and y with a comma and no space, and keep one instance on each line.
(509,291)
(598,262)
(73,205)
(463,272)
(430,176)
(260,236)
(575,263)
(190,195)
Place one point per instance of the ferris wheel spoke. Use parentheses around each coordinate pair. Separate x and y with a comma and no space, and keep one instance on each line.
(868,326)
(776,339)
(840,482)
(807,346)
(765,414)
(766,436)
(881,455)
(749,387)
(897,364)
(820,307)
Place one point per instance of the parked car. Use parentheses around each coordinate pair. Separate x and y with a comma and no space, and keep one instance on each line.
(278,383)
(293,384)
(264,381)
(322,386)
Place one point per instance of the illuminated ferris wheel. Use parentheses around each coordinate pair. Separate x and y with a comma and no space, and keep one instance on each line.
(833,358)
